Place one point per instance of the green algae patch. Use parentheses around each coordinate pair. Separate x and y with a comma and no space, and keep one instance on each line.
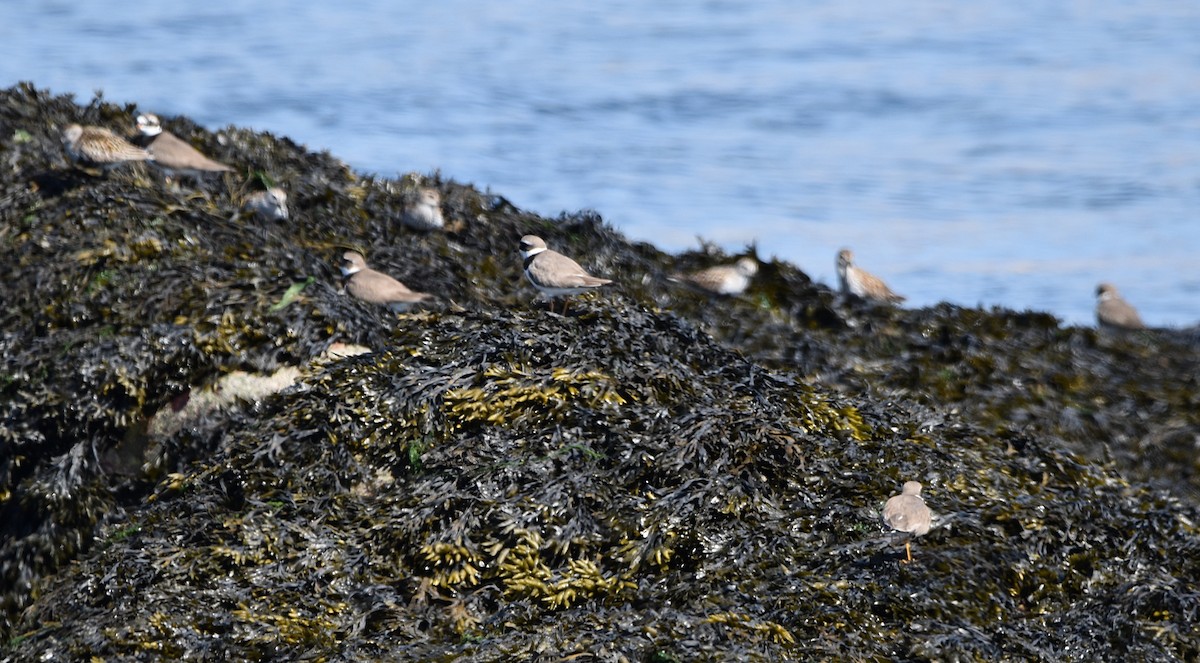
(195,464)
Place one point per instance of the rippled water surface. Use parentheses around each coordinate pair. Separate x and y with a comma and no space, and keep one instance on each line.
(997,152)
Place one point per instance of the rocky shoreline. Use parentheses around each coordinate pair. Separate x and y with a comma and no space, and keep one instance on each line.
(194,465)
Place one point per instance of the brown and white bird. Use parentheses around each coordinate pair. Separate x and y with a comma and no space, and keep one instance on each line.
(907,514)
(172,154)
(373,287)
(97,147)
(554,274)
(1113,312)
(860,283)
(425,213)
(270,204)
(722,279)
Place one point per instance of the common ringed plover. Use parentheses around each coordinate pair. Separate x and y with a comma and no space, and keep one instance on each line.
(373,287)
(172,154)
(554,274)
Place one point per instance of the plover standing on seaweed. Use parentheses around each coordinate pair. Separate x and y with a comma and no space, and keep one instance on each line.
(172,154)
(554,274)
(270,204)
(1113,312)
(425,213)
(860,283)
(906,513)
(374,287)
(99,147)
(722,279)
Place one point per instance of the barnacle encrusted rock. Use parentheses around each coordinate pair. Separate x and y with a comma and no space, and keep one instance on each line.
(660,476)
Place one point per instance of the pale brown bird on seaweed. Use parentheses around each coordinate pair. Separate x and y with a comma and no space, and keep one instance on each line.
(374,287)
(907,514)
(270,204)
(722,279)
(97,147)
(554,274)
(172,154)
(425,213)
(1113,312)
(856,281)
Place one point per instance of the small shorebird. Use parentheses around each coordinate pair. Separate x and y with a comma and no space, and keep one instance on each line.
(722,279)
(1113,312)
(172,154)
(373,287)
(906,513)
(270,204)
(554,274)
(861,283)
(97,147)
(425,213)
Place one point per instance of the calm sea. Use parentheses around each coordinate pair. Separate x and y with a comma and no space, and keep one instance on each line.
(1003,152)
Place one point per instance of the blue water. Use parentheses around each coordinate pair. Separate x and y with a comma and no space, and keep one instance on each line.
(1004,152)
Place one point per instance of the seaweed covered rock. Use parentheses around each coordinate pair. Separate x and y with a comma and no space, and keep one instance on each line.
(1127,400)
(499,485)
(653,477)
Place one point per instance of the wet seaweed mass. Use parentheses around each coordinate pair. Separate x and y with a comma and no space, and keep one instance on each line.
(210,452)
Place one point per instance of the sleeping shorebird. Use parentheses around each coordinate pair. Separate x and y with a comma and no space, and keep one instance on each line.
(859,282)
(722,279)
(270,204)
(373,287)
(907,514)
(425,213)
(554,274)
(97,147)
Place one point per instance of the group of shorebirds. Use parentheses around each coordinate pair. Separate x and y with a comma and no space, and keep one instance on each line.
(552,273)
(556,275)
(98,147)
